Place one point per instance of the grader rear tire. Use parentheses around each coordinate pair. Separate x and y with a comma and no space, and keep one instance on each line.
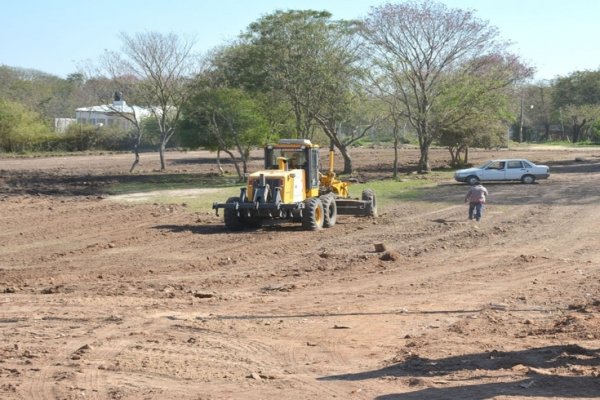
(329,210)
(313,215)
(371,209)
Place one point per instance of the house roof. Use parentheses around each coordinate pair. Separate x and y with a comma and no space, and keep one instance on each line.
(116,107)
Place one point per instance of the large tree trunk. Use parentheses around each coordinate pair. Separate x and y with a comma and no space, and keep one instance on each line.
(546,131)
(347,160)
(395,167)
(453,155)
(244,155)
(161,152)
(236,165)
(136,160)
(424,160)
(577,128)
(424,167)
(298,115)
(424,143)
(221,171)
(395,131)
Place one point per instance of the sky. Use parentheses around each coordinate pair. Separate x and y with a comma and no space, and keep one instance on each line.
(556,37)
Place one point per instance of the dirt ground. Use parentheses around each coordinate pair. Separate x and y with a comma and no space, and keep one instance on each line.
(103,299)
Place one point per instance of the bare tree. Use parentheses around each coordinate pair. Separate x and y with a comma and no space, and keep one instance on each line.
(415,46)
(107,82)
(161,65)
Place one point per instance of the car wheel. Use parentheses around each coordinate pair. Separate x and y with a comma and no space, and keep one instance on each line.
(472,180)
(528,179)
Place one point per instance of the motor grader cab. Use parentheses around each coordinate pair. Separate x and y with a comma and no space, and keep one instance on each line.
(291,187)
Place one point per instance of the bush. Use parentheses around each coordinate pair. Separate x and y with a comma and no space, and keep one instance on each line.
(89,137)
(595,133)
(21,130)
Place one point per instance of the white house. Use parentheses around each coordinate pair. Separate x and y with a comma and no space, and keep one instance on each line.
(111,114)
(61,124)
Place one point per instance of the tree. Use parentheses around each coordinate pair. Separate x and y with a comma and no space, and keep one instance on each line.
(577,96)
(422,48)
(582,118)
(346,113)
(473,108)
(578,88)
(111,92)
(20,129)
(42,93)
(232,67)
(161,66)
(541,113)
(347,122)
(486,133)
(285,55)
(398,128)
(222,119)
(381,89)
(307,61)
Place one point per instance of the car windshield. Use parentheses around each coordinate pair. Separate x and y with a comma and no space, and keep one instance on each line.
(485,164)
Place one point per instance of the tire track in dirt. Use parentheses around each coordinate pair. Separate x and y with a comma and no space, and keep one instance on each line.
(313,354)
(189,348)
(68,364)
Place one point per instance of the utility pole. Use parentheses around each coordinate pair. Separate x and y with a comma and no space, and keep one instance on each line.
(521,121)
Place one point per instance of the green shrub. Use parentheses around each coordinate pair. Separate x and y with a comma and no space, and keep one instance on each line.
(21,130)
(80,137)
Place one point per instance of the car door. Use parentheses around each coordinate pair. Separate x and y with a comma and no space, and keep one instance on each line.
(495,171)
(514,170)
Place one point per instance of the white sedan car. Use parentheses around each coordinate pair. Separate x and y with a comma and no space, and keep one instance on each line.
(503,170)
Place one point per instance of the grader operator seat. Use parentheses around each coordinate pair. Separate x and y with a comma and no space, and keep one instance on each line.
(296,161)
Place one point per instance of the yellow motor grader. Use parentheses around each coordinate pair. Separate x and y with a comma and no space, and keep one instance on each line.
(291,187)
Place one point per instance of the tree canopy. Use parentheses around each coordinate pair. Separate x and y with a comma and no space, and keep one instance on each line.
(424,51)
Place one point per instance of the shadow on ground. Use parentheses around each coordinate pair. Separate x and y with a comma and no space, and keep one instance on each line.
(542,379)
(51,184)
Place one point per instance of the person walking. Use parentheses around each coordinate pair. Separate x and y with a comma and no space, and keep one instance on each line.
(476,199)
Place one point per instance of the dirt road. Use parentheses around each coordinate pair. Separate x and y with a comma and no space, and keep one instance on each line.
(102,299)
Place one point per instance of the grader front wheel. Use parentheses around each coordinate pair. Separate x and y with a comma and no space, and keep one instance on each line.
(232,220)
